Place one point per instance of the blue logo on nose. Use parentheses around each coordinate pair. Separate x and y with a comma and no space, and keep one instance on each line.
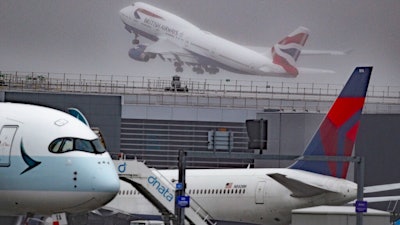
(122,168)
(27,159)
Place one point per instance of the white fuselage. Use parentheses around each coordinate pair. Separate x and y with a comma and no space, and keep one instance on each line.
(205,46)
(33,179)
(243,195)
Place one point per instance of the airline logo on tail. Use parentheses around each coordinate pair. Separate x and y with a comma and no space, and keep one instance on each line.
(337,133)
(286,52)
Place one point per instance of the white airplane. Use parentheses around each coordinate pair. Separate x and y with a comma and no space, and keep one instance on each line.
(178,41)
(267,196)
(50,162)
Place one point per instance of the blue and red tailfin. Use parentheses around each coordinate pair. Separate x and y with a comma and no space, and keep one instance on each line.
(337,133)
(286,52)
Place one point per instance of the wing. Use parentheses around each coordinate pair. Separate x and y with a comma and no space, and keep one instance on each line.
(164,45)
(298,188)
(167,50)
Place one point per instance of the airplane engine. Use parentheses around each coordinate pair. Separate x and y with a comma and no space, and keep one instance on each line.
(212,70)
(139,54)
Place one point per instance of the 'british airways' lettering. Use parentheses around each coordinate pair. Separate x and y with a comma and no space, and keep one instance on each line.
(163,27)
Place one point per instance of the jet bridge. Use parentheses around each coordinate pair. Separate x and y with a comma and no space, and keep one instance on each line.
(159,191)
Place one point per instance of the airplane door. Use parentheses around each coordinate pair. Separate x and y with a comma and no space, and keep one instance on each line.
(260,192)
(7,134)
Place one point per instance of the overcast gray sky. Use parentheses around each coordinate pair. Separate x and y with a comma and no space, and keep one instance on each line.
(87,36)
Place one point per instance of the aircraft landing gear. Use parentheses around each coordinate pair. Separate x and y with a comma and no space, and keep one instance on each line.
(136,40)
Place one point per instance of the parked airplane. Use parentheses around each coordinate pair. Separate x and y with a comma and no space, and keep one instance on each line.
(51,162)
(267,196)
(180,42)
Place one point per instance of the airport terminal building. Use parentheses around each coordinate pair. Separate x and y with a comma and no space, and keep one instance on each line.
(151,120)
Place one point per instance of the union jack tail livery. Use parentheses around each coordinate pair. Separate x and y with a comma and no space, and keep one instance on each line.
(286,51)
(337,133)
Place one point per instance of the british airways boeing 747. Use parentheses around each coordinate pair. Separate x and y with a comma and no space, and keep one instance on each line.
(180,42)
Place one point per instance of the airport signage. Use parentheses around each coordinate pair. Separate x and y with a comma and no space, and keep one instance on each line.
(179,186)
(183,201)
(361,206)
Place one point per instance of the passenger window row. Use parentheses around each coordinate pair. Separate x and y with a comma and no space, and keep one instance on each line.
(195,191)
(216,191)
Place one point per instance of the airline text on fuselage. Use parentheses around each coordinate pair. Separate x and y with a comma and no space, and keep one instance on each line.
(158,25)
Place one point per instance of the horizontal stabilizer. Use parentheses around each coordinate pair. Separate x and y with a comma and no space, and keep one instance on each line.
(377,199)
(381,188)
(382,199)
(325,52)
(304,70)
(298,188)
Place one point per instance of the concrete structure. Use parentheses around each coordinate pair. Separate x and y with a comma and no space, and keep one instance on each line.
(334,215)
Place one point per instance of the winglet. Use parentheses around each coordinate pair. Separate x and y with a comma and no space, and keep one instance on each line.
(336,135)
(286,52)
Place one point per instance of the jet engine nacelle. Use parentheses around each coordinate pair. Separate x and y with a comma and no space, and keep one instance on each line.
(139,54)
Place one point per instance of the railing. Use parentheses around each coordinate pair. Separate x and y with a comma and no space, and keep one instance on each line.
(196,207)
(198,88)
(141,168)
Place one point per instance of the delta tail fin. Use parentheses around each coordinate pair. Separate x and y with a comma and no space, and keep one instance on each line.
(286,52)
(337,133)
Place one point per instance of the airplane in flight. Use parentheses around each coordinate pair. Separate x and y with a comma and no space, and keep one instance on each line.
(50,162)
(268,195)
(176,40)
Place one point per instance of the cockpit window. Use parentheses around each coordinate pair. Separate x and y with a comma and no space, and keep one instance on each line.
(67,144)
(98,145)
(83,145)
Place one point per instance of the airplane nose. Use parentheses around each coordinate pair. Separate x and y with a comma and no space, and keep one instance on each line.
(123,13)
(105,182)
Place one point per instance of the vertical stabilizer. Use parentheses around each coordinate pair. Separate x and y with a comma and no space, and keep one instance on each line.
(286,52)
(337,133)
